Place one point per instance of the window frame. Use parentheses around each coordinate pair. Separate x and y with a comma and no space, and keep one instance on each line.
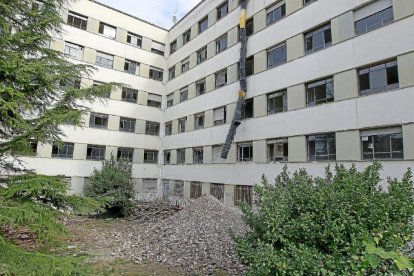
(327,139)
(91,148)
(122,150)
(129,95)
(83,20)
(329,97)
(198,154)
(131,37)
(152,128)
(391,134)
(275,50)
(241,158)
(107,30)
(197,118)
(392,64)
(64,151)
(94,116)
(272,10)
(150,153)
(124,122)
(325,29)
(274,96)
(271,156)
(221,44)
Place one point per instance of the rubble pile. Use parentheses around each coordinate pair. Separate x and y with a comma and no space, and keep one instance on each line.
(153,211)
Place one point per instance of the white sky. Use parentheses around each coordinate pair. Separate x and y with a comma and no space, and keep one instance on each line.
(158,12)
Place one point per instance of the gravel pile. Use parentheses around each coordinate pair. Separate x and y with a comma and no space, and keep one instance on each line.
(196,239)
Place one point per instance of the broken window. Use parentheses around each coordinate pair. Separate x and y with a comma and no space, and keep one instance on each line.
(181,124)
(321,147)
(249,27)
(373,16)
(200,87)
(134,39)
(247,111)
(178,188)
(170,100)
(125,154)
(180,156)
(320,92)
(201,55)
(168,128)
(277,150)
(199,121)
(154,100)
(219,116)
(379,78)
(129,95)
(276,102)
(221,44)
(243,194)
(195,189)
(249,66)
(107,30)
(77,20)
(127,124)
(318,39)
(217,190)
(104,60)
(167,157)
(150,156)
(275,12)
(186,37)
(245,152)
(156,73)
(152,128)
(63,151)
(221,78)
(95,152)
(98,120)
(74,51)
(198,156)
(382,144)
(183,94)
(276,56)
(131,67)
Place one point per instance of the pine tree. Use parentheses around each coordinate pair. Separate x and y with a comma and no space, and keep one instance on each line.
(37,84)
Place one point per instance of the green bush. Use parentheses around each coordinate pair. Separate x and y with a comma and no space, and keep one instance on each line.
(114,180)
(344,223)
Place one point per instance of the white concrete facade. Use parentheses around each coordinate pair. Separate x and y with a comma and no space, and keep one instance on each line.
(349,116)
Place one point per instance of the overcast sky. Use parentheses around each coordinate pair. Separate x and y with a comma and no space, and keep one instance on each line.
(155,11)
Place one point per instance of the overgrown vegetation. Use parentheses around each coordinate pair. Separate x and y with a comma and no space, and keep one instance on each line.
(114,180)
(342,224)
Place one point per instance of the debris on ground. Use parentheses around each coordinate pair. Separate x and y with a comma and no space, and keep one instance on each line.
(153,211)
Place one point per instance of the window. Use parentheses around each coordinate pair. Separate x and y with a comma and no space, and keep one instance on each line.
(127,124)
(180,156)
(181,124)
(129,95)
(222,10)
(195,189)
(198,156)
(154,100)
(107,30)
(150,185)
(277,102)
(221,44)
(216,154)
(249,27)
(95,152)
(63,151)
(178,188)
(167,157)
(170,100)
(306,2)
(69,83)
(373,16)
(150,156)
(131,67)
(202,55)
(243,194)
(247,111)
(168,128)
(221,78)
(33,147)
(200,87)
(382,144)
(217,190)
(171,73)
(74,51)
(219,116)
(249,66)
(199,121)
(77,20)
(277,150)
(318,39)
(152,128)
(185,65)
(203,25)
(158,48)
(125,154)
(275,12)
(156,73)
(276,56)
(320,92)
(104,60)
(379,78)
(98,120)
(321,147)
(183,94)
(186,37)
(173,46)
(134,39)
(245,152)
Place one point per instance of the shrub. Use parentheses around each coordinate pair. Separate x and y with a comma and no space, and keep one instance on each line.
(114,180)
(340,224)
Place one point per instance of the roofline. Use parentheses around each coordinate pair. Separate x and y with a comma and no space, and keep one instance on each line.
(130,15)
(179,21)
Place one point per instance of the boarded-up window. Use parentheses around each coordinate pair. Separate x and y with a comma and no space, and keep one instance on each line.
(243,194)
(217,190)
(195,189)
(178,188)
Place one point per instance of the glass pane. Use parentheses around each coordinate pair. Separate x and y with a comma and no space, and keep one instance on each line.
(387,15)
(318,40)
(374,21)
(378,80)
(382,146)
(360,26)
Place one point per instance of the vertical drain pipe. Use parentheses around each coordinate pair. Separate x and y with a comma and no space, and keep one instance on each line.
(243,84)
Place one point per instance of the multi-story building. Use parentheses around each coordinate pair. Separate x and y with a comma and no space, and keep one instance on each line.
(328,81)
